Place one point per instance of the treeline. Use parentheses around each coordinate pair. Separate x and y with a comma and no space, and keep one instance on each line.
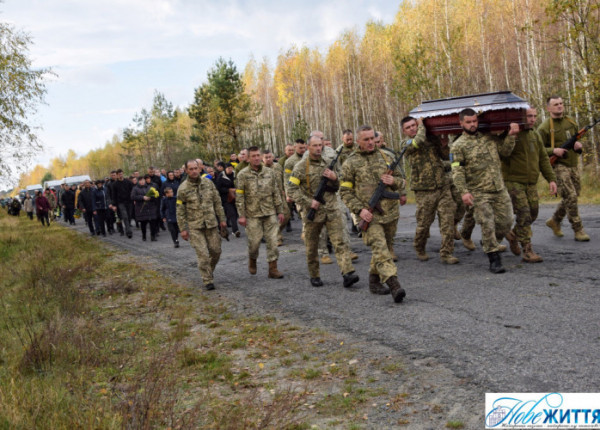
(433,49)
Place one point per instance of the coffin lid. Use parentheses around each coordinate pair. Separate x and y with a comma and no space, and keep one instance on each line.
(478,102)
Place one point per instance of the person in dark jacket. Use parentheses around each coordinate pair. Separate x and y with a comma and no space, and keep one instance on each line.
(42,207)
(101,203)
(225,182)
(146,206)
(168,213)
(121,201)
(87,205)
(171,182)
(111,216)
(68,204)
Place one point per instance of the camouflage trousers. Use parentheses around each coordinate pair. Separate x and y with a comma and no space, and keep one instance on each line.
(526,206)
(429,203)
(312,236)
(463,211)
(322,245)
(493,212)
(256,229)
(569,187)
(379,238)
(287,215)
(207,244)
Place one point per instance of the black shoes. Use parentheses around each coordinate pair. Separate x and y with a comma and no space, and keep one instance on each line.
(288,227)
(496,263)
(209,287)
(316,282)
(350,279)
(129,234)
(176,244)
(153,238)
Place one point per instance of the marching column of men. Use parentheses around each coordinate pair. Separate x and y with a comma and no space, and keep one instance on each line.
(486,177)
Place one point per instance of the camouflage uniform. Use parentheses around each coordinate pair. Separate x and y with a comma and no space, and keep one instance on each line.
(199,211)
(462,211)
(432,191)
(554,132)
(476,170)
(238,168)
(346,152)
(259,201)
(302,185)
(521,172)
(361,174)
(278,170)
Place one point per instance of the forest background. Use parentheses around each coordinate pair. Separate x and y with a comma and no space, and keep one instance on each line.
(433,49)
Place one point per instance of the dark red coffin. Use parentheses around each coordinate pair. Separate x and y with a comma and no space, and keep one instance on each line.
(495,110)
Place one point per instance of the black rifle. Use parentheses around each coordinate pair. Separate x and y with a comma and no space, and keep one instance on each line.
(323,187)
(381,193)
(570,143)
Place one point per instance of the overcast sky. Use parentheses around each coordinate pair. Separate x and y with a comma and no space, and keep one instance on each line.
(111,55)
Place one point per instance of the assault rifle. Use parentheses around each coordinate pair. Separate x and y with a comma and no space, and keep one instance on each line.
(323,187)
(381,193)
(570,143)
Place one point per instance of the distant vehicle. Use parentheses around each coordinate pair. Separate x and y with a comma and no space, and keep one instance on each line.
(22,194)
(54,185)
(32,189)
(76,180)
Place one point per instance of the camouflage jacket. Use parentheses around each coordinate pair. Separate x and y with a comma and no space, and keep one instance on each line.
(361,174)
(278,171)
(476,162)
(427,171)
(563,129)
(289,167)
(303,184)
(198,204)
(527,160)
(241,165)
(257,193)
(346,152)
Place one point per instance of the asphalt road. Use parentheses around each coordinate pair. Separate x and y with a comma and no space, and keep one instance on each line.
(533,329)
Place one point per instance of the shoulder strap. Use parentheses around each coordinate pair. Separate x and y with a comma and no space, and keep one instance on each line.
(307,174)
(551,133)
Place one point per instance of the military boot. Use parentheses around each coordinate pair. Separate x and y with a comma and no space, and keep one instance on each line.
(421,254)
(581,236)
(273,272)
(350,279)
(375,285)
(555,226)
(398,293)
(495,263)
(449,259)
(316,282)
(353,256)
(326,259)
(252,266)
(468,243)
(514,243)
(529,256)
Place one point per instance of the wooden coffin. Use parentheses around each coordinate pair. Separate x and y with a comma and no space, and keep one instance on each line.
(495,110)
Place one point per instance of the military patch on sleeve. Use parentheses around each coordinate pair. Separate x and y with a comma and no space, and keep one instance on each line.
(179,202)
(347,185)
(294,181)
(288,171)
(239,191)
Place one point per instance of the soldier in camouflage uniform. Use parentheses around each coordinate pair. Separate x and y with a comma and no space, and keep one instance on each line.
(521,172)
(243,161)
(478,178)
(261,210)
(303,184)
(199,211)
(431,187)
(268,161)
(554,132)
(361,174)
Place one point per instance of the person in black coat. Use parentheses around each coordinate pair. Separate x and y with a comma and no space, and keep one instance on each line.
(171,182)
(168,213)
(87,205)
(224,183)
(146,207)
(68,204)
(101,208)
(121,200)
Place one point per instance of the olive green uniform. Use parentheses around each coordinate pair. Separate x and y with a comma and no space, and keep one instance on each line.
(521,171)
(554,132)
(259,201)
(199,211)
(432,190)
(303,183)
(476,170)
(361,174)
